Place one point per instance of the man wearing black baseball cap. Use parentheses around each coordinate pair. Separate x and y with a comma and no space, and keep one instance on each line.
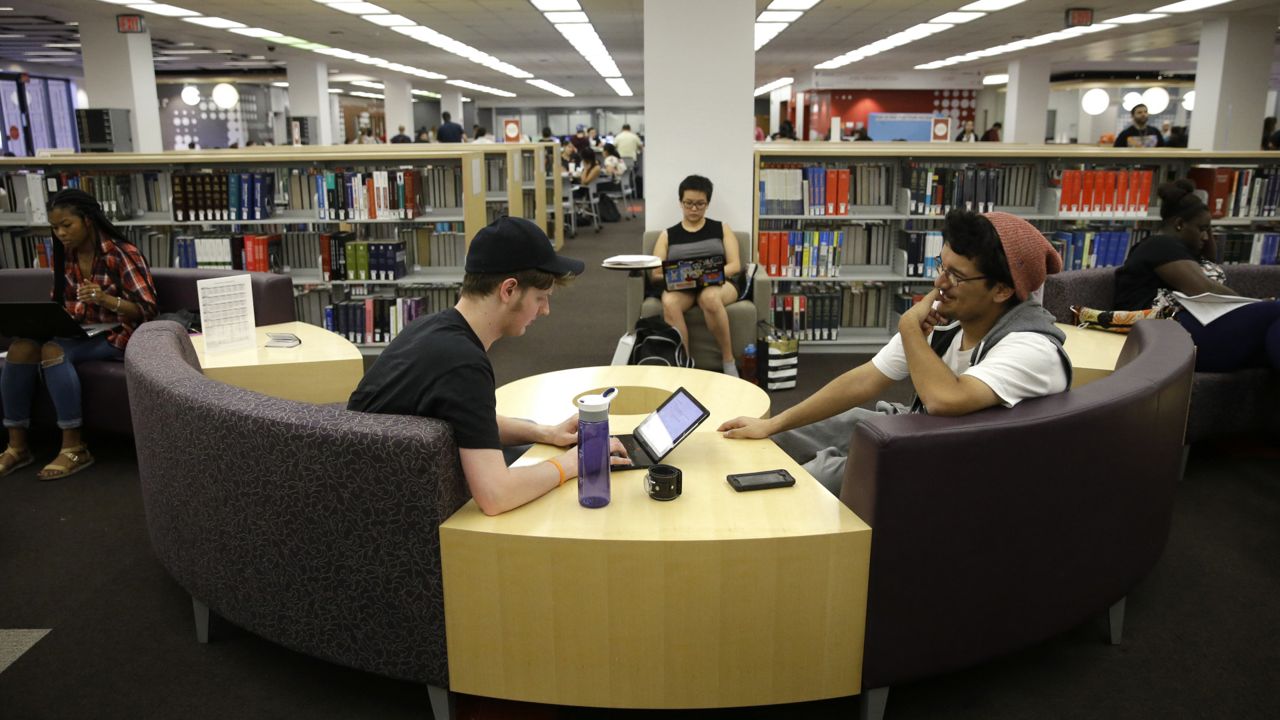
(439,366)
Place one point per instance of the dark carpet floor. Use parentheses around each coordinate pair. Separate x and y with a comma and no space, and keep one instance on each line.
(1202,635)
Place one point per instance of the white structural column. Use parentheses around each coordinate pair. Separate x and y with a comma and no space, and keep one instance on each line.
(1026,110)
(699,83)
(776,98)
(398,103)
(1232,82)
(309,94)
(451,102)
(119,73)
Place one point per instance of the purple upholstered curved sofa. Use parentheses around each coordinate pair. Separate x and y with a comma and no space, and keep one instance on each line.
(1222,404)
(311,526)
(1003,528)
(106,406)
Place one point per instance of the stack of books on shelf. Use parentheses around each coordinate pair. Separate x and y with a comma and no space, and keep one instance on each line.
(222,196)
(1239,192)
(377,320)
(818,311)
(820,252)
(923,249)
(1256,248)
(495,173)
(344,258)
(935,189)
(123,195)
(1083,249)
(25,249)
(1122,193)
(254,253)
(823,189)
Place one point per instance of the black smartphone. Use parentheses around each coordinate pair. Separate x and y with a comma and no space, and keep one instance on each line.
(763,480)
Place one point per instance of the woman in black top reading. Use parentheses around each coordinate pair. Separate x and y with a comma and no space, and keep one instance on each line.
(1178,257)
(696,236)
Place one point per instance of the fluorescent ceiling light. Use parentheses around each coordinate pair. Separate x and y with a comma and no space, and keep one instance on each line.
(1188,6)
(481,88)
(185,51)
(426,93)
(215,22)
(122,2)
(388,20)
(619,86)
(786,16)
(163,9)
(359,8)
(335,91)
(369,84)
(957,18)
(62,45)
(990,5)
(361,93)
(792,4)
(1136,18)
(550,87)
(999,79)
(552,5)
(257,32)
(289,40)
(770,87)
(280,83)
(764,32)
(557,18)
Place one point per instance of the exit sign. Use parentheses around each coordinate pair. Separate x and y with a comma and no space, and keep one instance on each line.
(1077,17)
(130,24)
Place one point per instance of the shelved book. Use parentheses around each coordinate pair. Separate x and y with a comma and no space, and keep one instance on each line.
(254,253)
(804,251)
(377,320)
(824,189)
(1256,248)
(122,195)
(1119,193)
(818,311)
(495,173)
(936,189)
(222,196)
(1083,249)
(344,258)
(1239,192)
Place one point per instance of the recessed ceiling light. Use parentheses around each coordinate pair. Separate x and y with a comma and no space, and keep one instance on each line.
(481,88)
(550,87)
(166,10)
(770,87)
(257,32)
(1188,6)
(280,83)
(557,18)
(956,18)
(359,8)
(388,20)
(990,5)
(998,79)
(620,86)
(552,5)
(62,45)
(215,22)
(779,16)
(336,91)
(792,4)
(1136,18)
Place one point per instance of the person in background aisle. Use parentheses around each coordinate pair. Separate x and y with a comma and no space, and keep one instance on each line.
(587,174)
(482,135)
(697,236)
(967,133)
(366,137)
(439,367)
(629,145)
(593,137)
(401,137)
(547,136)
(99,277)
(760,136)
(450,131)
(993,133)
(424,135)
(1269,134)
(1166,130)
(1177,137)
(989,343)
(1139,134)
(1179,257)
(579,139)
(614,167)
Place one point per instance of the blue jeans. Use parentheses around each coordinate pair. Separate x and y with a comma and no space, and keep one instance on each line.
(18,381)
(1248,336)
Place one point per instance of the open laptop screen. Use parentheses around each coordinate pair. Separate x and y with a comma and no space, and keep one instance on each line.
(668,425)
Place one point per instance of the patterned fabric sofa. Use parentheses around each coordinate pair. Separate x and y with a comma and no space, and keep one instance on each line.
(311,526)
(1004,528)
(106,406)
(1222,404)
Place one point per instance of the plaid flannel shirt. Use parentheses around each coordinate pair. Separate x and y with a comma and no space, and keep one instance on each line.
(121,271)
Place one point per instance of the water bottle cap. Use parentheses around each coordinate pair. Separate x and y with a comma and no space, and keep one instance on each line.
(594,404)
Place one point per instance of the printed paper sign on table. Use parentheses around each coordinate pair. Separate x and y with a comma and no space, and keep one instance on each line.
(226,313)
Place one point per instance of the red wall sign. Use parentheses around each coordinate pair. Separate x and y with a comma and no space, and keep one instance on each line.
(130,24)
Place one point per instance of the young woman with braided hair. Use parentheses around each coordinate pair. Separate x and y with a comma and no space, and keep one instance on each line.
(99,276)
(1179,256)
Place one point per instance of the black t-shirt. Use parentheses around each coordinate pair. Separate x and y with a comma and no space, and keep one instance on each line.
(450,132)
(1137,281)
(436,367)
(1145,134)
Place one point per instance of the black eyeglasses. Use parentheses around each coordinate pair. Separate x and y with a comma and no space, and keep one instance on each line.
(952,277)
(694,204)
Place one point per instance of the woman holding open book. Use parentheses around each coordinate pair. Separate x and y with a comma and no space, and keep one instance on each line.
(697,237)
(99,277)
(1178,259)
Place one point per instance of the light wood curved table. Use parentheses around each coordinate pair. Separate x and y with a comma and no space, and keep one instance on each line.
(325,368)
(715,599)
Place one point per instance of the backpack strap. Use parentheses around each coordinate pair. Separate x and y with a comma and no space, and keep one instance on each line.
(940,341)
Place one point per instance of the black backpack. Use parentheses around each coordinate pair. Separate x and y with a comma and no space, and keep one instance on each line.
(608,209)
(657,343)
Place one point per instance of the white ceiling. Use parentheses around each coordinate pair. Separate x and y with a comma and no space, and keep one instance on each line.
(515,32)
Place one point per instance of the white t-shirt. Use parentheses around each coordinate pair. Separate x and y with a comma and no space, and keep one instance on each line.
(1022,365)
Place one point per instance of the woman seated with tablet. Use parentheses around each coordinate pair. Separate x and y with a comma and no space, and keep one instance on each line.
(697,236)
(99,276)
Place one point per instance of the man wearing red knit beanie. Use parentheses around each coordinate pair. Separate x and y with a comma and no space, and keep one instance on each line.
(978,340)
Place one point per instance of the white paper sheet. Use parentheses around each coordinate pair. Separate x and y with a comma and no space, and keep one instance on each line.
(1207,307)
(226,313)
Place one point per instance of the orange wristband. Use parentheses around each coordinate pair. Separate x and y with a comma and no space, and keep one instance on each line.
(557,464)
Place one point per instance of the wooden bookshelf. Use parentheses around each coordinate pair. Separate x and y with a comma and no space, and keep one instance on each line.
(889,210)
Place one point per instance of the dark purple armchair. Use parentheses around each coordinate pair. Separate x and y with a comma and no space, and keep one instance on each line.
(105,398)
(1000,529)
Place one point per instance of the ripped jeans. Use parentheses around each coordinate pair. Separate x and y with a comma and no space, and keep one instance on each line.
(18,381)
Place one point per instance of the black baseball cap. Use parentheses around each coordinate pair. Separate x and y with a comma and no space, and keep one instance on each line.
(511,244)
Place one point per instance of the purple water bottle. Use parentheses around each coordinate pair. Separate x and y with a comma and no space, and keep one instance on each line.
(593,449)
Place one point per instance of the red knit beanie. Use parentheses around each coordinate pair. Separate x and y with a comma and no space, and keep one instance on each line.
(1031,257)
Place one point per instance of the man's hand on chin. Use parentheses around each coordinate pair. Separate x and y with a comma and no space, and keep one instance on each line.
(923,315)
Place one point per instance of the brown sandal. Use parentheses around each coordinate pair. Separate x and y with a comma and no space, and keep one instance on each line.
(19,460)
(79,457)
